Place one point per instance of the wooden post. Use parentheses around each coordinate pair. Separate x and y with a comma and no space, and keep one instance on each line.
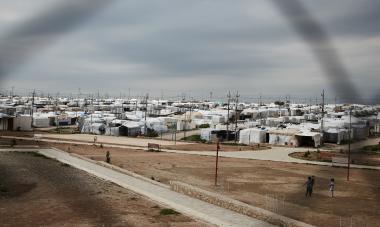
(349,147)
(216,163)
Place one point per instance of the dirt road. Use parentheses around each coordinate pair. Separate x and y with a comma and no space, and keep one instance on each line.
(270,185)
(138,142)
(36,191)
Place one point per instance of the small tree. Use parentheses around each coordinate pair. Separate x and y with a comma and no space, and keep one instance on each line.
(279,103)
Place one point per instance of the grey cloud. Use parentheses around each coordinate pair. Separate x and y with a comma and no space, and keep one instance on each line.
(217,45)
(30,37)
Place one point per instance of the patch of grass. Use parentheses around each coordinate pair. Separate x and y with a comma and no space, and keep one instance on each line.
(168,212)
(65,165)
(35,154)
(64,130)
(371,148)
(204,126)
(194,138)
(235,144)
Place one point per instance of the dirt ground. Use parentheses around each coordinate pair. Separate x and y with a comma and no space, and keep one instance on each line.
(360,158)
(212,147)
(275,186)
(36,191)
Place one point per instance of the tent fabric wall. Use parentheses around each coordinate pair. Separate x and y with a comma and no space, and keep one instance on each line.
(278,139)
(251,136)
(22,123)
(335,135)
(206,134)
(112,131)
(41,122)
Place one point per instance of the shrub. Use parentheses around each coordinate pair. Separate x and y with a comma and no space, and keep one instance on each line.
(204,126)
(168,212)
(194,138)
(151,133)
(374,148)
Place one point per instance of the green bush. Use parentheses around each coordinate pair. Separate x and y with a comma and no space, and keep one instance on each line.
(204,126)
(151,133)
(194,138)
(374,148)
(168,212)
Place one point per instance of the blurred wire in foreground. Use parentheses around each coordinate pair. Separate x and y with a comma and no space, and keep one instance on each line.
(317,38)
(32,36)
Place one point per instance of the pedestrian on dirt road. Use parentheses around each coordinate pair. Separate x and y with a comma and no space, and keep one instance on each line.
(312,183)
(332,186)
(108,157)
(309,187)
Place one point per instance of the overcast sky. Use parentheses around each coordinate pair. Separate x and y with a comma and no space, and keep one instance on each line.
(194,47)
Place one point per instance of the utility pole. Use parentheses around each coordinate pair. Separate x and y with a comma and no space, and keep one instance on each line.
(260,101)
(99,98)
(186,119)
(136,106)
(184,126)
(349,147)
(259,108)
(310,106)
(31,109)
(236,117)
(323,113)
(191,108)
(228,114)
(56,110)
(216,164)
(92,112)
(146,111)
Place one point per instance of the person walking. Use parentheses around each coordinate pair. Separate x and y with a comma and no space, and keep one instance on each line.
(108,157)
(312,183)
(309,187)
(332,186)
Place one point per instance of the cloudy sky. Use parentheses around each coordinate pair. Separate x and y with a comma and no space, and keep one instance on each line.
(194,47)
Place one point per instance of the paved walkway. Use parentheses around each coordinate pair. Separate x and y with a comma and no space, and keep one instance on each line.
(129,141)
(360,144)
(182,203)
(277,154)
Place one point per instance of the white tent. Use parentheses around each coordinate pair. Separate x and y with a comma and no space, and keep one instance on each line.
(252,135)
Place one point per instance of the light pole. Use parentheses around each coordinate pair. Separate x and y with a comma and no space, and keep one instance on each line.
(349,148)
(216,164)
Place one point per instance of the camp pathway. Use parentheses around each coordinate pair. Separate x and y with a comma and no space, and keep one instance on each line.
(276,154)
